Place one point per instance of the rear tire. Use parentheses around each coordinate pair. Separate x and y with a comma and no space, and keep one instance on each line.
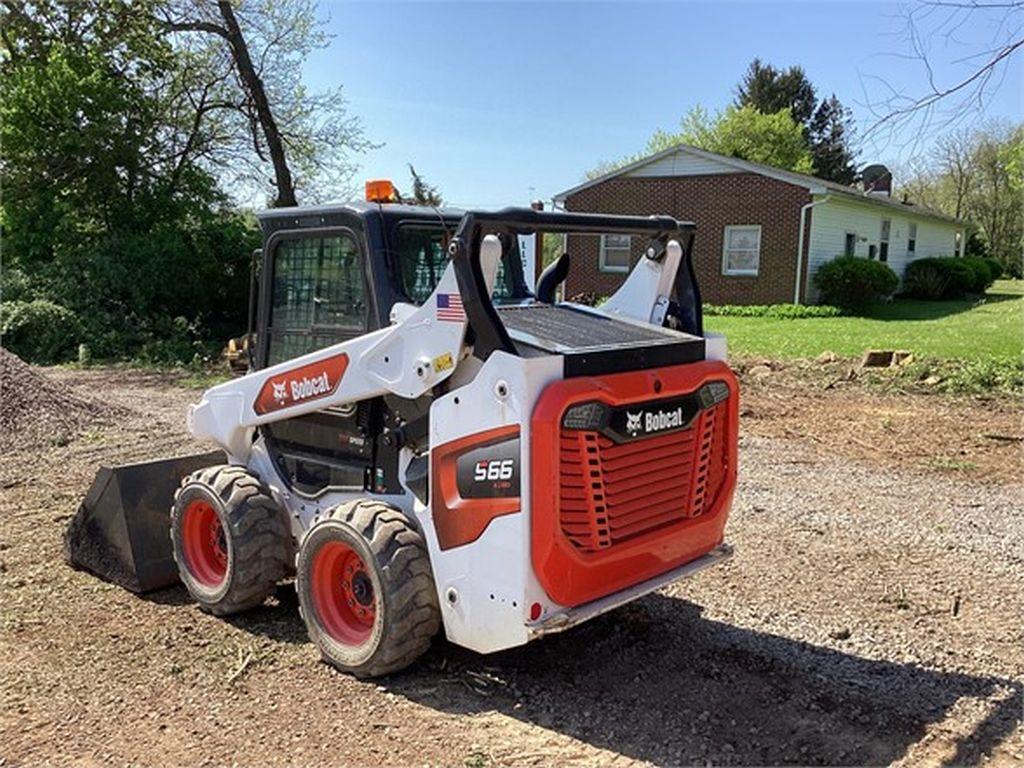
(366,591)
(230,539)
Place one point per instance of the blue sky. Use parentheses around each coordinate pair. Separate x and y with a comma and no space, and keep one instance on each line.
(497,103)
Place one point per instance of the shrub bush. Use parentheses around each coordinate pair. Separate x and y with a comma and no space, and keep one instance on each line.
(925,279)
(39,331)
(994,267)
(983,276)
(774,311)
(851,282)
(957,278)
(961,277)
(976,247)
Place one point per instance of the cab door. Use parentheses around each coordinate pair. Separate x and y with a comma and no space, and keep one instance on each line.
(315,294)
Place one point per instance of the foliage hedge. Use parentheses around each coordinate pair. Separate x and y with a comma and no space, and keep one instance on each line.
(138,258)
(852,283)
(995,267)
(773,311)
(39,330)
(948,277)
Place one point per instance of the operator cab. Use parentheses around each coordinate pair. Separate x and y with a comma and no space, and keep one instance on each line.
(331,273)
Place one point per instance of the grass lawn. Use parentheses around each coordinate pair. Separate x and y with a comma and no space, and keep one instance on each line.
(967,330)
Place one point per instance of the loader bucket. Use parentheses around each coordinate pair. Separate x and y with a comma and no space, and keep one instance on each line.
(121,531)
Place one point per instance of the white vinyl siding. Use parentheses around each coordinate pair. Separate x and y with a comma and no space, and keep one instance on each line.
(833,220)
(615,253)
(741,249)
(681,164)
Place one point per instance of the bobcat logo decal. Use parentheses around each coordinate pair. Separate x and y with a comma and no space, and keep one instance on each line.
(311,381)
(633,421)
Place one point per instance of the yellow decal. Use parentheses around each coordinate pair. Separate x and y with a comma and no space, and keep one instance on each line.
(443,362)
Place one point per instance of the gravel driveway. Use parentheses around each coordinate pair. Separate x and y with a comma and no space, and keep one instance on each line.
(871,615)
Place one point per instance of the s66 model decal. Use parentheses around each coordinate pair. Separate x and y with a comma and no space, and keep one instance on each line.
(498,469)
(473,480)
(308,382)
(489,472)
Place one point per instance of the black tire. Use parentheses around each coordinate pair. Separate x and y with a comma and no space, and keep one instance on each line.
(254,549)
(405,613)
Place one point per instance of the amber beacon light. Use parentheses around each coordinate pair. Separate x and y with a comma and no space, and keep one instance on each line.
(380,191)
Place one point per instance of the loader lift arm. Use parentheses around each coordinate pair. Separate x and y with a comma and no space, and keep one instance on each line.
(406,359)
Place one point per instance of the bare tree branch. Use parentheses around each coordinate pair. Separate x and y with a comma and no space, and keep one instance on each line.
(944,105)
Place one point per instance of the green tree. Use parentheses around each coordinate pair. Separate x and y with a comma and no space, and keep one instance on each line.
(101,214)
(976,175)
(828,125)
(742,132)
(254,123)
(770,90)
(830,132)
(424,193)
(994,199)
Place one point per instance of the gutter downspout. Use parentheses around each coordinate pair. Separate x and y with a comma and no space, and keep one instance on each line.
(800,246)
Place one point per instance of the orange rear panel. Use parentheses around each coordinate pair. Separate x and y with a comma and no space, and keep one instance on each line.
(610,511)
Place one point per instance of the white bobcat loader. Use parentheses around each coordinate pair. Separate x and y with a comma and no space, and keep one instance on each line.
(425,442)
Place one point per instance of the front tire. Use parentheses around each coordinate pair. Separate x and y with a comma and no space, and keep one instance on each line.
(365,589)
(230,539)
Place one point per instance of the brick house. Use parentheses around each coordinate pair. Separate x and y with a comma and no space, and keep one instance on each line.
(749,248)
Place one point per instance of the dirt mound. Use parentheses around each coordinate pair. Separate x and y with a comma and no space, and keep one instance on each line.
(36,411)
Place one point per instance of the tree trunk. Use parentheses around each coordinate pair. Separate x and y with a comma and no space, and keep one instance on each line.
(253,84)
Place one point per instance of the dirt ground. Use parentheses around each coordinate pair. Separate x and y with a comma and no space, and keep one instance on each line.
(873,614)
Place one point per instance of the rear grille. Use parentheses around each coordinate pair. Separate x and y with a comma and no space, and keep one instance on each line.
(610,493)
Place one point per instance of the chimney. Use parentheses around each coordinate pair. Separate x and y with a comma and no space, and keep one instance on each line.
(877,180)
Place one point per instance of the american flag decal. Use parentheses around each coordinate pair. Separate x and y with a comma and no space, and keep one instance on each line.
(449,308)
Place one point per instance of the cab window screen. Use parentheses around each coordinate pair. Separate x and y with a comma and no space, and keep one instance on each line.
(319,296)
(423,256)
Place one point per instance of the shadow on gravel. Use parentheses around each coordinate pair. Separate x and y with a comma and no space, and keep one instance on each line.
(176,595)
(654,681)
(278,619)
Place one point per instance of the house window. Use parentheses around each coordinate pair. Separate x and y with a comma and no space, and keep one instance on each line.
(741,250)
(850,244)
(956,243)
(911,238)
(615,253)
(883,240)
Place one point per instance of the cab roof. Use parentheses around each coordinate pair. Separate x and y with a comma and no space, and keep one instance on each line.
(360,208)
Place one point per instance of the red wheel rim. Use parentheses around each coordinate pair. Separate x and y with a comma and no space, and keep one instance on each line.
(204,542)
(343,594)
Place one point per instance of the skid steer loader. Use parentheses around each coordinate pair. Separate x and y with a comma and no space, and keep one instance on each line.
(425,442)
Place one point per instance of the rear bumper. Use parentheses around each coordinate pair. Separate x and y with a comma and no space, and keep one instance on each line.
(573,616)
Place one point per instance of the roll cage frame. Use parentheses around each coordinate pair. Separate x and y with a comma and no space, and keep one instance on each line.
(486,330)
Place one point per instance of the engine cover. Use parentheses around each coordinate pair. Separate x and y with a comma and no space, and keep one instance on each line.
(633,475)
